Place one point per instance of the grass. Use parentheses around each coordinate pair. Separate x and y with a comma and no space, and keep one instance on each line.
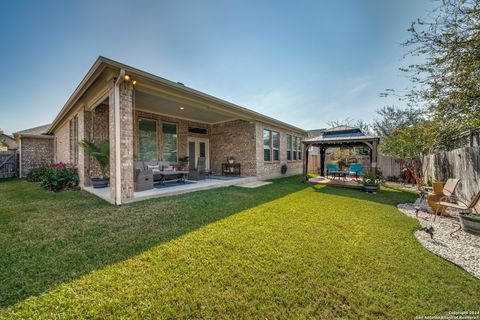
(285,250)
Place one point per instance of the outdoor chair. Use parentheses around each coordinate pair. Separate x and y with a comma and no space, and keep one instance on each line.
(473,206)
(355,170)
(197,173)
(332,167)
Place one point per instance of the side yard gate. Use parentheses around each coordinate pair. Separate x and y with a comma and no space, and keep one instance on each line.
(8,164)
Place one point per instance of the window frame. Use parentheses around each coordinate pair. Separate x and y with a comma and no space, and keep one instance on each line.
(156,138)
(277,158)
(176,140)
(289,147)
(269,145)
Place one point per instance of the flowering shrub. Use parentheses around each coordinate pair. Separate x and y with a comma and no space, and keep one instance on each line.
(55,177)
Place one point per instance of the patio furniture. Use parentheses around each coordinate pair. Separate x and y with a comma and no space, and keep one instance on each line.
(339,174)
(231,169)
(442,192)
(331,167)
(143,180)
(355,170)
(197,173)
(473,206)
(179,175)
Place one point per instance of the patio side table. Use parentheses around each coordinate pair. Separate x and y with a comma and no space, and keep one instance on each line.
(231,169)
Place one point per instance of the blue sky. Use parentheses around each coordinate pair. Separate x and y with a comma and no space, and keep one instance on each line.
(303,62)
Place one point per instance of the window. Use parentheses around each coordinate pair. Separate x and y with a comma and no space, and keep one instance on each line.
(267,138)
(276,145)
(147,140)
(295,146)
(299,148)
(169,131)
(289,147)
(197,130)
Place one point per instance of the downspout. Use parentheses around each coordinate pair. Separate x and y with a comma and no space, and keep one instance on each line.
(20,160)
(118,172)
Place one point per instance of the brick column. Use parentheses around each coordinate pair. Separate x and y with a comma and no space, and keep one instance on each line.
(126,140)
(111,137)
(84,126)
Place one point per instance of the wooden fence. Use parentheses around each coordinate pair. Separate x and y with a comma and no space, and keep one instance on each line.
(8,164)
(390,166)
(463,164)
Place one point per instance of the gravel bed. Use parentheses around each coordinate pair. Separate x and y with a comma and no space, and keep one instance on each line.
(449,240)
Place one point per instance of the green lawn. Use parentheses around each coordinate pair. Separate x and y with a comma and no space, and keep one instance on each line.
(286,250)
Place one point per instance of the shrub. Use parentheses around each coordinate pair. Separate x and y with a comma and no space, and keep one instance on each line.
(55,178)
(392,178)
(62,176)
(37,174)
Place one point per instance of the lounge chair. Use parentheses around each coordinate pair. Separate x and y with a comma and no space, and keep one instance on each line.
(332,168)
(473,206)
(197,173)
(355,170)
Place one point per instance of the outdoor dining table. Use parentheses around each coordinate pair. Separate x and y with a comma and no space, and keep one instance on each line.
(181,175)
(339,174)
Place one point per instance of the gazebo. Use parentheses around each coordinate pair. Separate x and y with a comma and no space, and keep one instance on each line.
(339,136)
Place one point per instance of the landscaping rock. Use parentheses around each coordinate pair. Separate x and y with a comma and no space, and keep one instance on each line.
(449,240)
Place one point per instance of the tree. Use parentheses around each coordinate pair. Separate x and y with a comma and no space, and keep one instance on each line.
(409,143)
(360,124)
(392,118)
(447,80)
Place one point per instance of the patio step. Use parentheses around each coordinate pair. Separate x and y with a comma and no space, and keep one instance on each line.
(254,184)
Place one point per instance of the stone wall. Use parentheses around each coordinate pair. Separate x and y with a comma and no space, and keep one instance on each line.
(233,139)
(35,152)
(272,169)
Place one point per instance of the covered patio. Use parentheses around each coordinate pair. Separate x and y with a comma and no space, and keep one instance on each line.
(362,146)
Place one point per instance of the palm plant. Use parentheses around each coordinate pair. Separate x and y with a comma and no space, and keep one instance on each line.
(101,154)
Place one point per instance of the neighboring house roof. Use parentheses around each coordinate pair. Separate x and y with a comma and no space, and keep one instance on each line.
(40,131)
(315,132)
(340,134)
(8,141)
(103,63)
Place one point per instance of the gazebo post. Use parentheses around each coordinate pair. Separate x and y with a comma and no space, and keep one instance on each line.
(373,160)
(305,162)
(322,159)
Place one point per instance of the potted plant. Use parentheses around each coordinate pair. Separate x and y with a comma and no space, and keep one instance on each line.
(370,182)
(470,222)
(102,156)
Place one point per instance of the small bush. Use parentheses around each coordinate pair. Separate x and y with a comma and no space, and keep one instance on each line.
(37,174)
(392,178)
(58,177)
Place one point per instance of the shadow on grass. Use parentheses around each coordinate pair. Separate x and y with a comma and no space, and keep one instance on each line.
(49,238)
(387,195)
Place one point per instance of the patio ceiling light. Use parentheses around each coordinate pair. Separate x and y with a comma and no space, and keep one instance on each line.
(127,77)
(182,108)
(134,82)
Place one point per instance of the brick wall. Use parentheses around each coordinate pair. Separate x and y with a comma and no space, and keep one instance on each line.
(62,141)
(237,139)
(35,152)
(272,169)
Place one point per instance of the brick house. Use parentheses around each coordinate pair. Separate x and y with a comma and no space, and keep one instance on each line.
(144,116)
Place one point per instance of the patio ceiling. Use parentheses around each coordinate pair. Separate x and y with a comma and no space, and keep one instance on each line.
(172,106)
